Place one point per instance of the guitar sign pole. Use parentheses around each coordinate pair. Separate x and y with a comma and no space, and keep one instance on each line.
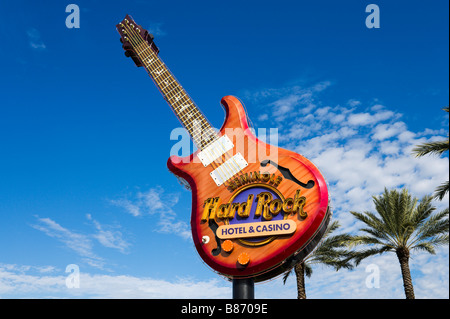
(257,209)
(244,288)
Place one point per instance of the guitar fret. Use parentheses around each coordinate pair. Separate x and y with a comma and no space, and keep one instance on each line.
(159,74)
(184,108)
(167,84)
(178,97)
(174,88)
(145,49)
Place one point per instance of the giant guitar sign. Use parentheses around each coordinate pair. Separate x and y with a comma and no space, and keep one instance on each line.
(256,209)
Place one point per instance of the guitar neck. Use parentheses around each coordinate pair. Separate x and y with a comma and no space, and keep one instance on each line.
(186,111)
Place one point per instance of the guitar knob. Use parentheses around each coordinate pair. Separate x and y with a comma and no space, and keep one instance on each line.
(205,239)
(243,259)
(227,246)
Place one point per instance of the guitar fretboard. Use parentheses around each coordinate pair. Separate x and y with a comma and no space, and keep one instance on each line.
(184,108)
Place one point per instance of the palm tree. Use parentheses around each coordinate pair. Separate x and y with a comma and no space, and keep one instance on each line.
(435,148)
(331,251)
(403,225)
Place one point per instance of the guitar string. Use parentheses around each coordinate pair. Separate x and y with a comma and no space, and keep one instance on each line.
(215,154)
(169,94)
(185,98)
(189,115)
(152,68)
(232,162)
(176,92)
(137,43)
(145,57)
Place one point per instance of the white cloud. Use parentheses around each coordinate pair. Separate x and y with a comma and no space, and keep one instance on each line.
(360,119)
(109,236)
(141,203)
(360,153)
(290,101)
(15,282)
(82,244)
(353,102)
(128,206)
(386,131)
(263,117)
(377,107)
(155,29)
(155,202)
(79,243)
(34,39)
(429,272)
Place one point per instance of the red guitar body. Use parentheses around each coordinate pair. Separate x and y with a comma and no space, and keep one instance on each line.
(257,209)
(271,255)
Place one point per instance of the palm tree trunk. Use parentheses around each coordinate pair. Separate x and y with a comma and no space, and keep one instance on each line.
(403,258)
(300,274)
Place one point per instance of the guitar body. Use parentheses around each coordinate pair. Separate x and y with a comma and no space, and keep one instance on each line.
(267,255)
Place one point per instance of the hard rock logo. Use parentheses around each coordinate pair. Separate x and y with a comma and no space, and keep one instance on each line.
(256,212)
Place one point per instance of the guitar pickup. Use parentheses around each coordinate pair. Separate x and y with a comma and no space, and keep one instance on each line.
(215,150)
(229,168)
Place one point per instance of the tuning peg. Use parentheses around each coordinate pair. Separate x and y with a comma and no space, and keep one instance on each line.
(136,61)
(148,37)
(131,54)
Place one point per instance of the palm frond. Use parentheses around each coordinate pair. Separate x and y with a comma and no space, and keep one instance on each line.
(435,148)
(331,251)
(286,275)
(429,245)
(308,270)
(404,226)
(422,211)
(365,240)
(385,205)
(395,209)
(433,230)
(404,223)
(369,219)
(332,227)
(363,254)
(381,236)
(441,190)
(424,246)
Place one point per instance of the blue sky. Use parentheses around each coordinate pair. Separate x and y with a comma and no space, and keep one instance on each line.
(85,135)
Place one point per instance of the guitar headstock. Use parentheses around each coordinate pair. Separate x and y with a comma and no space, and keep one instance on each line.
(135,38)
